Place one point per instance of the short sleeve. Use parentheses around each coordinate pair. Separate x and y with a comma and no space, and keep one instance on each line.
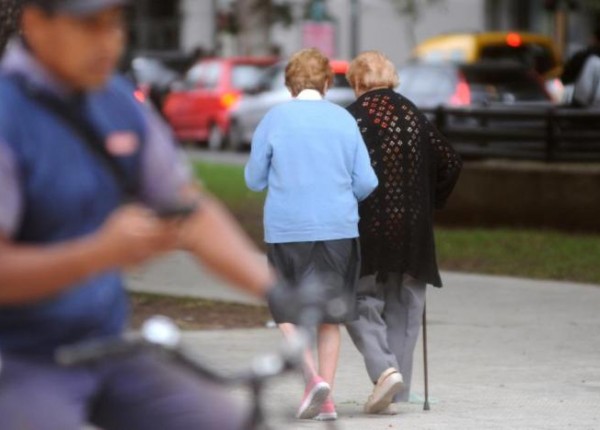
(165,170)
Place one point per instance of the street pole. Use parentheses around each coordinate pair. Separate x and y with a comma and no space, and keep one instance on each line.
(560,28)
(354,27)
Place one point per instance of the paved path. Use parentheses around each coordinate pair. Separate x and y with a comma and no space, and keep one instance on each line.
(504,353)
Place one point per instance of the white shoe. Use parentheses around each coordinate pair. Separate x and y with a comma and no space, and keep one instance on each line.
(391,409)
(388,385)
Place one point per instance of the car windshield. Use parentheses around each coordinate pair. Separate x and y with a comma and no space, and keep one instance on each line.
(152,71)
(421,84)
(532,55)
(246,77)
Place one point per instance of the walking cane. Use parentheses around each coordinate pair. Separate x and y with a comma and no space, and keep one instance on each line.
(426,405)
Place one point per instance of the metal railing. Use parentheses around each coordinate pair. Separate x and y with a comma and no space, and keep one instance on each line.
(547,133)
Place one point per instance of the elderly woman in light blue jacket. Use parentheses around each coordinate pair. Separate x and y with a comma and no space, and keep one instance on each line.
(310,156)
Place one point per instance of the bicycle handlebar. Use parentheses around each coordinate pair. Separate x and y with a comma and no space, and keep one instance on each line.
(161,335)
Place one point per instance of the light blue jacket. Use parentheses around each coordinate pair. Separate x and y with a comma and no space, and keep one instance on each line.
(311,157)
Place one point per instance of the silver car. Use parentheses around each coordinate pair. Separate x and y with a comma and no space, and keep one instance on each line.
(272,91)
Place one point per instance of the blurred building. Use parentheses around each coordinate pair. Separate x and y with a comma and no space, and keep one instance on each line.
(155,25)
(356,24)
(570,21)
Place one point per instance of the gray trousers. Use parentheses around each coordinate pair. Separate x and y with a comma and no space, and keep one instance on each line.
(388,325)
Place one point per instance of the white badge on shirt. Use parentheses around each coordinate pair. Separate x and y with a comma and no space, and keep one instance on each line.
(122,143)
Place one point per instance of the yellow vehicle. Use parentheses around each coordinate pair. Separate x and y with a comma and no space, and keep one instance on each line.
(533,50)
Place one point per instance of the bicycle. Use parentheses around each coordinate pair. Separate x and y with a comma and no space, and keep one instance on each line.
(160,335)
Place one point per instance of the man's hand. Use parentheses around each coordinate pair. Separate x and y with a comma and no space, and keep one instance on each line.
(133,234)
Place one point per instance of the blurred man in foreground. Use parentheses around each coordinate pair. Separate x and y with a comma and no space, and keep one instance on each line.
(76,150)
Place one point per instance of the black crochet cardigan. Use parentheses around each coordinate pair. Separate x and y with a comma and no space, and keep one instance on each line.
(417,170)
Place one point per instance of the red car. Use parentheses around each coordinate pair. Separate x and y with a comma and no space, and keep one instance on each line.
(199,109)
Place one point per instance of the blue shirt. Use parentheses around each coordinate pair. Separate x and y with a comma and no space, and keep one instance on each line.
(53,189)
(311,157)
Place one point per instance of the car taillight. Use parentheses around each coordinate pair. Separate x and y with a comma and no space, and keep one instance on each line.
(229,99)
(462,94)
(514,40)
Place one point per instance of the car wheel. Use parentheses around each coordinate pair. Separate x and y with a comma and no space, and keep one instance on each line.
(216,138)
(236,139)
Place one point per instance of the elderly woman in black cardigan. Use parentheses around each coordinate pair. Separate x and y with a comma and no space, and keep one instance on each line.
(417,170)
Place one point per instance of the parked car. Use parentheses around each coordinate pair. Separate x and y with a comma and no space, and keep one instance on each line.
(430,85)
(271,91)
(154,72)
(198,108)
(536,51)
(502,99)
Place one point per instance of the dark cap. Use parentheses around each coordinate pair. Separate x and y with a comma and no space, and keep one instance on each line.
(76,7)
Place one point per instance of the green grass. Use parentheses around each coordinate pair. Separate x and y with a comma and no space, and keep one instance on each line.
(538,254)
(529,253)
(227,182)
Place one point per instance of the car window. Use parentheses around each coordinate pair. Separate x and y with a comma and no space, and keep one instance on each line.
(532,55)
(205,75)
(417,83)
(210,78)
(247,76)
(504,85)
(340,81)
(152,71)
(269,78)
(193,76)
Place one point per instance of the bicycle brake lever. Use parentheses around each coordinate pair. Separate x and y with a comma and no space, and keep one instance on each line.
(93,351)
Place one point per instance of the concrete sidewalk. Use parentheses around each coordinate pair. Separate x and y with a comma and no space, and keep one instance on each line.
(504,353)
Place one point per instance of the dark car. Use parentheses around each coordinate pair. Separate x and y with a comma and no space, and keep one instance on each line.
(430,85)
(505,104)
(154,73)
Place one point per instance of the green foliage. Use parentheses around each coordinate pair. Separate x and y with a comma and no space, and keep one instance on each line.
(316,10)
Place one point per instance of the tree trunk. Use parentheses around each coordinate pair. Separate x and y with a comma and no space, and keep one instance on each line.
(254,21)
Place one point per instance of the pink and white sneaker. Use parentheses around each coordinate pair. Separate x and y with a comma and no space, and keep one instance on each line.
(328,412)
(315,395)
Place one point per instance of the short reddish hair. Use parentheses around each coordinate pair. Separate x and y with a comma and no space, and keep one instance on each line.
(308,69)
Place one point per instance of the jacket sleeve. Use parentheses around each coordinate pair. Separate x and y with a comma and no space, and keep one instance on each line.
(448,165)
(257,168)
(585,90)
(364,179)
